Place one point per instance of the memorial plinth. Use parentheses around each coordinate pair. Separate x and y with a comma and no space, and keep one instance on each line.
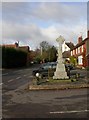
(60,72)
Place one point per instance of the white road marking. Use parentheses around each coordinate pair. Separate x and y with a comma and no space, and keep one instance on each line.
(1,83)
(18,77)
(5,74)
(74,111)
(11,80)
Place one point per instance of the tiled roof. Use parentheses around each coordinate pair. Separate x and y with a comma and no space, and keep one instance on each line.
(24,48)
(66,54)
(70,45)
(10,45)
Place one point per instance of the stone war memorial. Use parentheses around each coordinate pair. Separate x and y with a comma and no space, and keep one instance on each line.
(60,72)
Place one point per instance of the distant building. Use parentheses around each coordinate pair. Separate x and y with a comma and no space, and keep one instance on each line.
(11,45)
(16,45)
(66,54)
(80,51)
(24,48)
(87,49)
(66,47)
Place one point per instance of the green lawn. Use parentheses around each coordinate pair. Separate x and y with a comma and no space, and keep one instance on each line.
(50,80)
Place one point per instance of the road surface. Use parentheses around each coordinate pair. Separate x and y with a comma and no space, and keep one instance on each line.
(18,102)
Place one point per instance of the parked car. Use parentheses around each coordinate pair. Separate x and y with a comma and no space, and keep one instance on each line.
(45,70)
(69,66)
(48,69)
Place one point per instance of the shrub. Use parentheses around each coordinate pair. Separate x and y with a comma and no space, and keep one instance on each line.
(13,58)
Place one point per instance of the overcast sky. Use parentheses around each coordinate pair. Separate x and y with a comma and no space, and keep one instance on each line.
(33,22)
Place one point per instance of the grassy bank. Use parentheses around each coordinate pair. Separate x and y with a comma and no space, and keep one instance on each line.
(51,81)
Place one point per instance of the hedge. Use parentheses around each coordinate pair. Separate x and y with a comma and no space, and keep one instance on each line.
(12,57)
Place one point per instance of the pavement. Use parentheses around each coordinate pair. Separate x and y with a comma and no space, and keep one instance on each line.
(45,85)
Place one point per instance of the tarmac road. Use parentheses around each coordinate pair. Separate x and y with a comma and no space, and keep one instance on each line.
(18,102)
(70,103)
(14,78)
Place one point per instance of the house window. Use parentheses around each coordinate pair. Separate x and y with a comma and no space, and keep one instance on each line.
(82,48)
(73,52)
(78,49)
(80,60)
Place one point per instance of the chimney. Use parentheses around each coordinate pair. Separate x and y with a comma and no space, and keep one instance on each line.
(80,39)
(16,45)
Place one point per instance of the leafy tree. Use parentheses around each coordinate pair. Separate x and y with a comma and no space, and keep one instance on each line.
(44,45)
(52,53)
(73,60)
(48,52)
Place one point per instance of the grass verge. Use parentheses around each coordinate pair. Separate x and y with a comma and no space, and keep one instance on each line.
(53,81)
(50,80)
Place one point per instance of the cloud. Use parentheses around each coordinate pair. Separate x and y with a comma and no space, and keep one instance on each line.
(88,15)
(44,0)
(24,34)
(32,35)
(55,12)
(60,12)
(32,23)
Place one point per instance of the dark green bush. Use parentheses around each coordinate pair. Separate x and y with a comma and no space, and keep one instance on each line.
(13,58)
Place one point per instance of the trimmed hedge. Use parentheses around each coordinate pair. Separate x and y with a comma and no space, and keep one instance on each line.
(13,58)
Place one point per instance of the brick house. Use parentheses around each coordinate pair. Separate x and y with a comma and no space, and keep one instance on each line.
(80,51)
(16,46)
(88,60)
(87,50)
(11,45)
